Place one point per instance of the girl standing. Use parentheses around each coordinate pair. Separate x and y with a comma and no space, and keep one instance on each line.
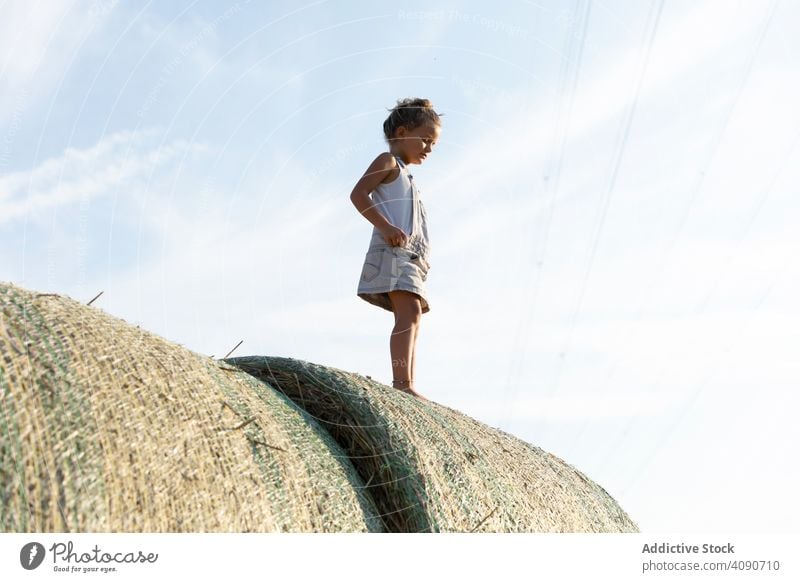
(396,263)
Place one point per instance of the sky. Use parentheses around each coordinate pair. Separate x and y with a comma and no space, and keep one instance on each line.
(612,208)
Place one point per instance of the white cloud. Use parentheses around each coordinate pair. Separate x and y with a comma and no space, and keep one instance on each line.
(79,175)
(38,41)
(262,244)
(691,43)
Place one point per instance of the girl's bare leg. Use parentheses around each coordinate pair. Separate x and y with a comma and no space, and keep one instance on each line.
(407,314)
(413,366)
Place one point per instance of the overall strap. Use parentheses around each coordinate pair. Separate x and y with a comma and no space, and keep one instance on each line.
(404,166)
(416,203)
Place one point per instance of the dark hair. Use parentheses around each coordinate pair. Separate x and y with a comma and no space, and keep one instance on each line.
(410,113)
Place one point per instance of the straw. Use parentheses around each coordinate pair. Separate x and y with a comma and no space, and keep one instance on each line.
(430,468)
(105,427)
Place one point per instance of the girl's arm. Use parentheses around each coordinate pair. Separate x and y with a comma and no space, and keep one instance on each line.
(375,174)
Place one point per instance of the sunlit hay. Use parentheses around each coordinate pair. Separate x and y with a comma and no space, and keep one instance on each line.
(432,468)
(108,428)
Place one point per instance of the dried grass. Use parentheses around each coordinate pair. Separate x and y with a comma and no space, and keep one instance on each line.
(430,468)
(105,427)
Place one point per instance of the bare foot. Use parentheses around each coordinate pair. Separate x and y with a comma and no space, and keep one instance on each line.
(405,386)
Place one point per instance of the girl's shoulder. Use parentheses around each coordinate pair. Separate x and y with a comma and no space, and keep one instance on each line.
(388,158)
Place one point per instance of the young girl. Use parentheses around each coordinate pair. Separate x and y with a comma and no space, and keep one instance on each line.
(396,264)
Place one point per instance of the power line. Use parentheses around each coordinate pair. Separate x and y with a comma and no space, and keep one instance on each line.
(686,212)
(568,80)
(701,386)
(619,154)
(782,166)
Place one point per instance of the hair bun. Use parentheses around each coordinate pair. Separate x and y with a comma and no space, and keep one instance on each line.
(414,102)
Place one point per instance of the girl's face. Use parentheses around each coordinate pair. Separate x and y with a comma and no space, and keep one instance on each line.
(417,143)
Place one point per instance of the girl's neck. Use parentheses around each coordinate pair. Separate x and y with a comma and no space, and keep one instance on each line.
(398,155)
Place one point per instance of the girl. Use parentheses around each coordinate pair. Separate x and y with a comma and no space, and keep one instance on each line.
(396,264)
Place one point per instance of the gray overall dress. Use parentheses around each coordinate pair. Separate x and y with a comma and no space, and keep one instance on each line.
(393,268)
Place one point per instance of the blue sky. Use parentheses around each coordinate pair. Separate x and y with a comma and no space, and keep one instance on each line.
(612,210)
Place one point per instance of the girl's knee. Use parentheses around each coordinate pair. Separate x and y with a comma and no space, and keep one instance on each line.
(411,316)
(406,306)
(406,322)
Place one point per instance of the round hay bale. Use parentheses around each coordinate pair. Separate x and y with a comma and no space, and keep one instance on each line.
(108,428)
(430,468)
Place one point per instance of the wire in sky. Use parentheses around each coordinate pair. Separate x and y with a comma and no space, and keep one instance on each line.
(644,58)
(678,418)
(568,80)
(687,210)
(620,439)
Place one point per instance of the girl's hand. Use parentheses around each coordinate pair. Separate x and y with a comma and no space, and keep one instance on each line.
(394,236)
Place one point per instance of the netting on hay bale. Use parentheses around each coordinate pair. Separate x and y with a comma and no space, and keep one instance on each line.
(430,468)
(108,428)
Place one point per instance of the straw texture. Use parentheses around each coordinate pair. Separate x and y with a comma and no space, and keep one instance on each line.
(430,468)
(108,428)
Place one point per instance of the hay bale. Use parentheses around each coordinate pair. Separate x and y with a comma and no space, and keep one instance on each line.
(430,468)
(108,428)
